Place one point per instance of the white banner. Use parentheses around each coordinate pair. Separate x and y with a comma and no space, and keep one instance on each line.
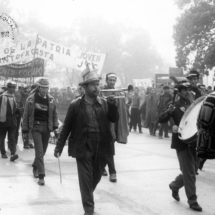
(49,50)
(94,60)
(143,82)
(23,51)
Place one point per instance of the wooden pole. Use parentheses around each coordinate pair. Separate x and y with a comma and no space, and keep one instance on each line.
(32,68)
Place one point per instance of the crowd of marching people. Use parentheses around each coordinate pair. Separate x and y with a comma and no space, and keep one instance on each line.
(94,121)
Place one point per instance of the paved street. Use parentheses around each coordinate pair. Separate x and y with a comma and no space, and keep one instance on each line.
(145,167)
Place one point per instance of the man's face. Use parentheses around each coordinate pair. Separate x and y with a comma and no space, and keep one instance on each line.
(92,89)
(193,81)
(43,91)
(11,89)
(136,91)
(166,91)
(184,93)
(111,82)
(21,90)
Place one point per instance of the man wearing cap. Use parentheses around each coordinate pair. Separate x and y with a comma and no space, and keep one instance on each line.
(87,124)
(119,129)
(151,103)
(40,117)
(185,152)
(8,120)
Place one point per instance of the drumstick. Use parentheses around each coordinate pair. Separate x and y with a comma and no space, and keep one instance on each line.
(59,168)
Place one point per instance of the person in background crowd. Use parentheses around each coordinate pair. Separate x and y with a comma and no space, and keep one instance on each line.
(151,112)
(18,97)
(91,116)
(70,95)
(80,92)
(164,99)
(8,120)
(40,117)
(186,153)
(120,128)
(128,100)
(64,96)
(135,111)
(209,89)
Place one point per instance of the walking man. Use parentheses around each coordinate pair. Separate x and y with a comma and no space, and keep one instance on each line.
(8,120)
(120,128)
(87,124)
(185,152)
(40,117)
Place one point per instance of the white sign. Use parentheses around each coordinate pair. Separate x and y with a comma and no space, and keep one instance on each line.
(94,61)
(143,82)
(49,50)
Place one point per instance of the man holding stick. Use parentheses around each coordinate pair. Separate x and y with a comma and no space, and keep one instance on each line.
(87,124)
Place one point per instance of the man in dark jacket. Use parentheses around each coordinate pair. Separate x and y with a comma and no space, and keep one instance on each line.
(165,98)
(8,120)
(87,124)
(185,152)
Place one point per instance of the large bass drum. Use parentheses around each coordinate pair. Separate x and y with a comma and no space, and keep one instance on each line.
(188,124)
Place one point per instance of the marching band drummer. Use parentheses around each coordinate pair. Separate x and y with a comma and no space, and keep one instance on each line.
(185,152)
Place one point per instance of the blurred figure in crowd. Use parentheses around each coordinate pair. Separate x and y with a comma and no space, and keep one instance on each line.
(135,111)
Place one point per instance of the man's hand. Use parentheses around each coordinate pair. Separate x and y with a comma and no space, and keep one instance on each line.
(171,108)
(110,99)
(57,154)
(175,129)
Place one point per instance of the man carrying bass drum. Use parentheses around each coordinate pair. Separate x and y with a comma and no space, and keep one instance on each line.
(185,152)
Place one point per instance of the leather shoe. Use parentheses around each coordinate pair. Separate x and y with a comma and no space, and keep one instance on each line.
(201,163)
(4,156)
(41,182)
(112,178)
(89,213)
(31,145)
(196,207)
(35,173)
(174,193)
(14,157)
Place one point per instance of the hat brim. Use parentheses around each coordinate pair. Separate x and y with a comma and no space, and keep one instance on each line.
(88,81)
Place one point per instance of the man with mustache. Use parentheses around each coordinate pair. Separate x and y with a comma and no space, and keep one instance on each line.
(87,124)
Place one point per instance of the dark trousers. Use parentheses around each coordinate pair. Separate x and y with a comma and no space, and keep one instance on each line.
(41,134)
(187,179)
(90,170)
(18,118)
(151,128)
(111,164)
(163,128)
(135,119)
(10,131)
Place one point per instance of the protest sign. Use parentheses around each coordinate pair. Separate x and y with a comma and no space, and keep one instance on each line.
(94,61)
(49,50)
(143,82)
(23,70)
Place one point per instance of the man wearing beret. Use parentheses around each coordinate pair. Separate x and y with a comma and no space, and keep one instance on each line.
(185,152)
(40,117)
(87,124)
(8,120)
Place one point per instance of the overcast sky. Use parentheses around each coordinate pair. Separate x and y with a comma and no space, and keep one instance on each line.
(157,16)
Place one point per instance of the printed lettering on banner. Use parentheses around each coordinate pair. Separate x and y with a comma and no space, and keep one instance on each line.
(94,61)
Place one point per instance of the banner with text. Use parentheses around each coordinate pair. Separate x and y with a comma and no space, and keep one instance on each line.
(23,70)
(49,50)
(143,82)
(94,60)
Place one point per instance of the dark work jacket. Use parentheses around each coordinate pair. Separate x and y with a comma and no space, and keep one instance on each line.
(180,106)
(11,117)
(75,125)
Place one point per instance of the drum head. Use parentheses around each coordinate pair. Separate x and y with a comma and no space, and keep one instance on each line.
(188,124)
